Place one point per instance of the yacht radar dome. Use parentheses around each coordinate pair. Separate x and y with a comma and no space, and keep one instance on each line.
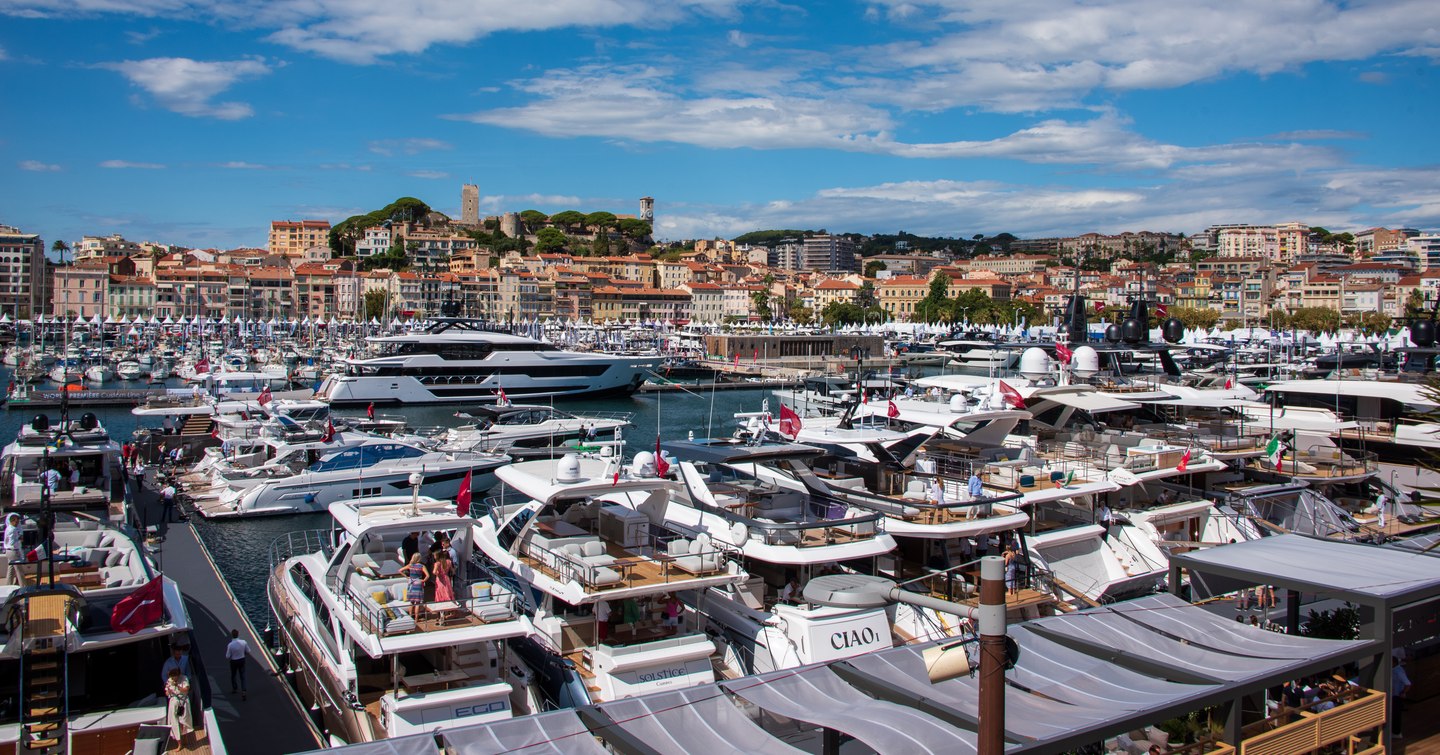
(1035,363)
(1084,361)
(568,471)
(643,465)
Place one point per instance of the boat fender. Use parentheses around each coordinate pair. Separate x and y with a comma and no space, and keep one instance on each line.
(739,533)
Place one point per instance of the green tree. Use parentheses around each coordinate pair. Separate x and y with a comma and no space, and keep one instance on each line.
(600,220)
(634,229)
(874,266)
(60,248)
(799,313)
(549,239)
(1415,303)
(1202,318)
(761,300)
(375,305)
(1338,624)
(842,313)
(865,297)
(533,219)
(568,220)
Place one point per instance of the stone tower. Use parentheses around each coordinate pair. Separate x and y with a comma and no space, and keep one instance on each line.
(510,225)
(470,204)
(647,210)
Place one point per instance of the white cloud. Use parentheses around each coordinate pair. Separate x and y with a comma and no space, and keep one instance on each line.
(407,146)
(187,86)
(429,174)
(126,164)
(38,167)
(242,165)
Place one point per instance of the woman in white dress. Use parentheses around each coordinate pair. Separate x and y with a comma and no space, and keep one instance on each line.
(177,690)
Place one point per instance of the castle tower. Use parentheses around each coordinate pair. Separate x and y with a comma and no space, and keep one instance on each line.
(470,204)
(510,225)
(647,210)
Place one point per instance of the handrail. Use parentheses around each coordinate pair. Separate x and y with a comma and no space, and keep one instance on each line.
(300,543)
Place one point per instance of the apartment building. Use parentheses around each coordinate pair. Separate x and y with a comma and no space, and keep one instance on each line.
(23,279)
(828,253)
(292,237)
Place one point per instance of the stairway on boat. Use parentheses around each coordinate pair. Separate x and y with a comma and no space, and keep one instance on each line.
(44,672)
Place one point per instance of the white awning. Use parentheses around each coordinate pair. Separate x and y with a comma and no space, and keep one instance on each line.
(551,733)
(1090,401)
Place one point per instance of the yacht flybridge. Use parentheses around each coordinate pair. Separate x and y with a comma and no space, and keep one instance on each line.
(455,362)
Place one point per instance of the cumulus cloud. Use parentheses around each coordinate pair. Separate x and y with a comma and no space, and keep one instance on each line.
(36,166)
(127,164)
(429,174)
(187,86)
(407,146)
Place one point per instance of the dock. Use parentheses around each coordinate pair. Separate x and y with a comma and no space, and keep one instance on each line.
(727,385)
(94,397)
(270,718)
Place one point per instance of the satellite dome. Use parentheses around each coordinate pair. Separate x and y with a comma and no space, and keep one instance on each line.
(1035,363)
(643,465)
(1085,361)
(957,402)
(569,469)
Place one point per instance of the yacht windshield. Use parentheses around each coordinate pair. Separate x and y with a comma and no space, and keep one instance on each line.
(364,456)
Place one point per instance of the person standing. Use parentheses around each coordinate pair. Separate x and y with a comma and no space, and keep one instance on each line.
(14,531)
(74,476)
(177,715)
(1107,518)
(417,575)
(602,620)
(1012,570)
(1399,688)
(169,425)
(410,546)
(235,653)
(975,486)
(1382,505)
(179,660)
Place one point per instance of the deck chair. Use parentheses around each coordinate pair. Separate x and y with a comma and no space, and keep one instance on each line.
(151,739)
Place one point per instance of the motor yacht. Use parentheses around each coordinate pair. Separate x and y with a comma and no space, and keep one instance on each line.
(583,547)
(455,361)
(363,660)
(75,682)
(326,472)
(512,428)
(80,444)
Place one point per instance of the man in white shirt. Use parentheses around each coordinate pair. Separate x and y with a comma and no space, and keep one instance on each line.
(167,500)
(602,619)
(14,529)
(51,478)
(235,652)
(1382,506)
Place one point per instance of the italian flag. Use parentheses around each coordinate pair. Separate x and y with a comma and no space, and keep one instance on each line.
(1274,450)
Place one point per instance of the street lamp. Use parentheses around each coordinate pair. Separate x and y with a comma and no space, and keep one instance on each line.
(948,660)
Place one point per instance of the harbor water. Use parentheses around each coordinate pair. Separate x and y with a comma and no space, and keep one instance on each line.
(241,547)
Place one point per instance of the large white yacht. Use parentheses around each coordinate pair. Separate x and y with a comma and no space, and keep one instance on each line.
(580,544)
(374,467)
(81,444)
(455,362)
(370,668)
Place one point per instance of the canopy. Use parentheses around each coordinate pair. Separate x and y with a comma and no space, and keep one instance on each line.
(1087,400)
(418,744)
(556,732)
(697,719)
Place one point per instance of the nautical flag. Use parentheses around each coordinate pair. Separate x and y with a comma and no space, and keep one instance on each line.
(892,411)
(462,498)
(755,357)
(1162,310)
(329,431)
(264,397)
(1099,307)
(140,609)
(503,400)
(1069,477)
(864,397)
(662,467)
(1184,461)
(789,421)
(737,360)
(1229,383)
(1063,353)
(203,365)
(616,479)
(1011,396)
(1274,451)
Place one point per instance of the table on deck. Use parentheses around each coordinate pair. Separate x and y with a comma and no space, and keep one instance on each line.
(34,573)
(433,678)
(447,610)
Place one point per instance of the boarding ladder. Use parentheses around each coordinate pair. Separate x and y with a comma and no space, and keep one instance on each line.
(44,671)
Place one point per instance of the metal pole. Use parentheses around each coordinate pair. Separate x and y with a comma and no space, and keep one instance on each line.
(991,616)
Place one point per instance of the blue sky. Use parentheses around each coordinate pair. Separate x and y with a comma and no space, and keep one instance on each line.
(198,121)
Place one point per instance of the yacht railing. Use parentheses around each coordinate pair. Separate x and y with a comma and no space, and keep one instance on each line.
(299,543)
(608,416)
(656,562)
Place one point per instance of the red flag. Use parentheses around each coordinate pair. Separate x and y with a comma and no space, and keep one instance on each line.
(462,498)
(616,479)
(662,467)
(264,397)
(503,400)
(1063,352)
(1011,396)
(864,397)
(329,431)
(1162,310)
(1229,383)
(203,365)
(755,357)
(737,360)
(892,411)
(1184,462)
(789,421)
(140,609)
(370,410)
(1099,306)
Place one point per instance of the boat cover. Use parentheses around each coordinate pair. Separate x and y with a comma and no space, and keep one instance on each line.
(558,732)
